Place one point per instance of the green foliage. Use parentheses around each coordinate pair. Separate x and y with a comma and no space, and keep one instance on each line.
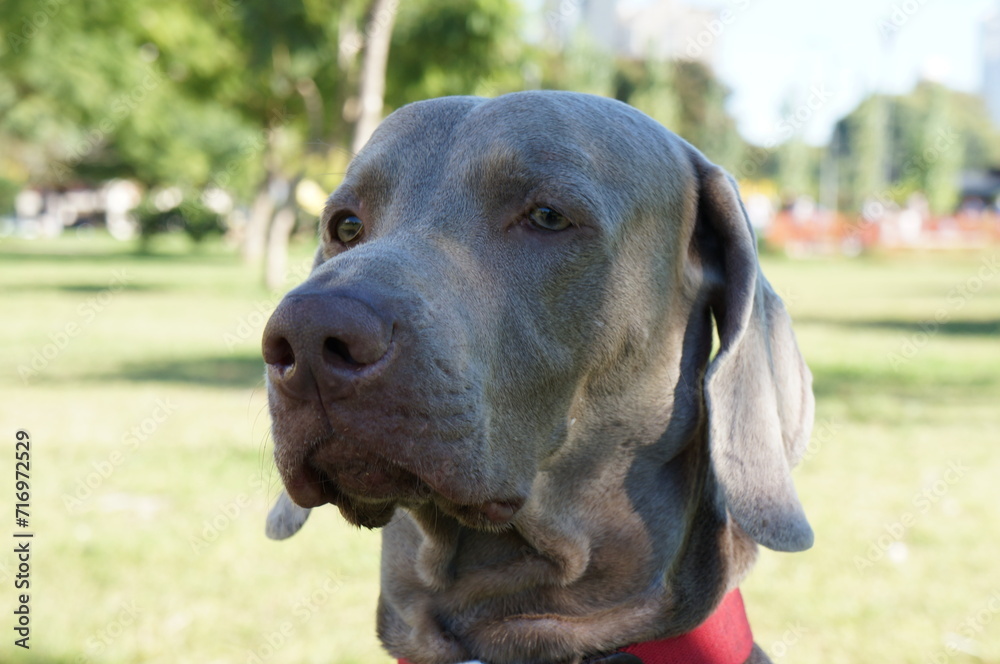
(454,47)
(114,89)
(652,89)
(8,192)
(587,68)
(689,99)
(190,216)
(868,149)
(892,146)
(797,169)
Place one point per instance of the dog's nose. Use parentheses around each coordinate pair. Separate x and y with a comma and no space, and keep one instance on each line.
(320,345)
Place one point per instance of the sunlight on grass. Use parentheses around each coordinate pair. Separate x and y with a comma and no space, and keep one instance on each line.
(140,381)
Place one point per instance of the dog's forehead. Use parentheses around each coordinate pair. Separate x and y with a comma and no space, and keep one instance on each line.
(584,132)
(450,148)
(550,117)
(409,144)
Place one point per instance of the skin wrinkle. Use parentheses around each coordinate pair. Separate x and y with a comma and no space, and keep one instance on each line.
(563,373)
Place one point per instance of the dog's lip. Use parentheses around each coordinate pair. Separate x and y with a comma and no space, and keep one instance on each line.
(307,487)
(326,477)
(368,481)
(323,479)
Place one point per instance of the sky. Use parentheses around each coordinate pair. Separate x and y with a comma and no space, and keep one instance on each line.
(809,62)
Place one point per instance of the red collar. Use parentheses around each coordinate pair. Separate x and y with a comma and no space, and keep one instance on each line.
(724,638)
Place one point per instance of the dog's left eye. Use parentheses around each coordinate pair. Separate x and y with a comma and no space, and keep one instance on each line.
(348,229)
(548,219)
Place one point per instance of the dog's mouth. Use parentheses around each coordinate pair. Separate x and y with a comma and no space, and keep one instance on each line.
(368,489)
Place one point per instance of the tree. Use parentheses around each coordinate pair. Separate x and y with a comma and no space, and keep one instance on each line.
(454,47)
(687,98)
(869,150)
(928,136)
(371,88)
(657,96)
(94,97)
(287,68)
(942,152)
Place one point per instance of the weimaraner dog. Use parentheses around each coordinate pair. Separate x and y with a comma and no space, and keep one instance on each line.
(503,357)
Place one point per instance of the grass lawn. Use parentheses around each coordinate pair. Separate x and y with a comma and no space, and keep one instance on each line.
(139,379)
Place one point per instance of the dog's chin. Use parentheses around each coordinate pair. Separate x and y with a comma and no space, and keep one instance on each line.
(310,487)
(367,515)
(362,485)
(368,491)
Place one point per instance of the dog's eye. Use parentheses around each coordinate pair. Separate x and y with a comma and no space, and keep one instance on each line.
(348,229)
(548,219)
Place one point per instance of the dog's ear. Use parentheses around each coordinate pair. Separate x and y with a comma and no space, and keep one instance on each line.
(758,390)
(285,518)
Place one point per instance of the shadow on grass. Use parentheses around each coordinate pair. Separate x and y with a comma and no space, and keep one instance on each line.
(840,382)
(225,371)
(47,658)
(123,256)
(89,289)
(960,327)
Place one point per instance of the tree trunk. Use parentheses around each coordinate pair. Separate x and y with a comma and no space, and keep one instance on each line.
(276,261)
(255,231)
(371,87)
(269,194)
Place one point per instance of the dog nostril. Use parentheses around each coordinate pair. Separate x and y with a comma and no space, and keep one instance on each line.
(279,354)
(338,348)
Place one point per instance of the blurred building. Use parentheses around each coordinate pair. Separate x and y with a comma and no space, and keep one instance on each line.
(991,63)
(661,29)
(669,30)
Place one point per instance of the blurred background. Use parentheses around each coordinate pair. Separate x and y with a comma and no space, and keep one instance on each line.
(162,166)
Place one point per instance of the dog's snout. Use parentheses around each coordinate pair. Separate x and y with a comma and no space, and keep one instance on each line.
(319,343)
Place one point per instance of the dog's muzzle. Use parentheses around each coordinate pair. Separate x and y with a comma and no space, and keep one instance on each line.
(368,414)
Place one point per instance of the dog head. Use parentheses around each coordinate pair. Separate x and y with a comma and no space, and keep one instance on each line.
(502,284)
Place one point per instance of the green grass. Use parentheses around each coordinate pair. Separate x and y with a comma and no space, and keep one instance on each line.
(135,571)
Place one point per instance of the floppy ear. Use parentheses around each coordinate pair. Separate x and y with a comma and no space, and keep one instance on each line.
(285,518)
(758,388)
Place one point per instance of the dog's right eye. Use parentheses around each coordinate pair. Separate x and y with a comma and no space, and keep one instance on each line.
(548,219)
(348,229)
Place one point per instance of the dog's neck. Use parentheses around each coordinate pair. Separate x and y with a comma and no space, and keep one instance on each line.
(724,637)
(548,588)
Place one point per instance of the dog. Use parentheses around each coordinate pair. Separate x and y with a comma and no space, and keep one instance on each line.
(503,358)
